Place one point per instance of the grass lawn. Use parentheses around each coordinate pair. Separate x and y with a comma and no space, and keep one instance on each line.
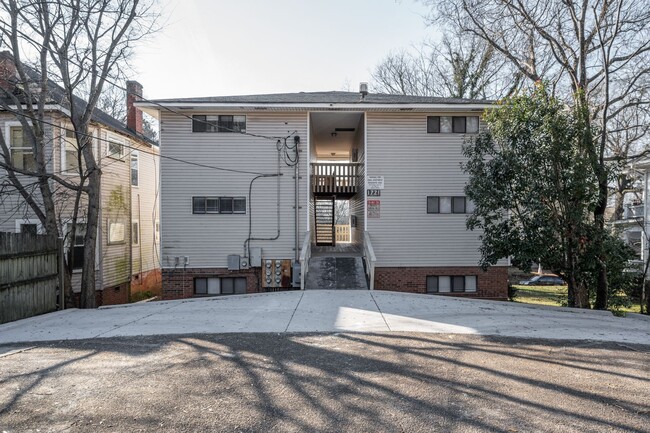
(556,296)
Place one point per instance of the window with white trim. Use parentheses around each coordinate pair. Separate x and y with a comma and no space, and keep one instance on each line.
(22,154)
(115,149)
(135,167)
(76,245)
(70,154)
(451,283)
(219,123)
(116,232)
(32,226)
(135,232)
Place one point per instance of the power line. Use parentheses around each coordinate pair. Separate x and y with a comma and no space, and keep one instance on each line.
(197,164)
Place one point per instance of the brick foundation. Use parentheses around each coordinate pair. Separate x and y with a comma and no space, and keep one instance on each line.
(491,284)
(179,283)
(150,281)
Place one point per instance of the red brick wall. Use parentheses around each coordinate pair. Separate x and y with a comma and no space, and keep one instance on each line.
(492,283)
(147,281)
(179,283)
(109,296)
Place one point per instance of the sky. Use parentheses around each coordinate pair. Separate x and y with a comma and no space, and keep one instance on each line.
(218,47)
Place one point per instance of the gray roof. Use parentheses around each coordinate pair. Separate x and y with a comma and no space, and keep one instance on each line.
(332,97)
(57,96)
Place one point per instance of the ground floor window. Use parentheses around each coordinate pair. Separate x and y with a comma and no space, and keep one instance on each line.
(220,286)
(76,249)
(451,284)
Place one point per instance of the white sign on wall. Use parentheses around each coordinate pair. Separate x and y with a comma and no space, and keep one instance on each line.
(375,182)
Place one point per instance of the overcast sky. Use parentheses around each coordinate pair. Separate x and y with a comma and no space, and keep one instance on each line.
(218,47)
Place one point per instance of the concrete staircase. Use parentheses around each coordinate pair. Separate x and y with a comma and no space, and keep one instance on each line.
(342,273)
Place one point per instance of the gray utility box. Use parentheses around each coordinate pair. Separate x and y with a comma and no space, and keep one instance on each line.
(295,283)
(233,262)
(255,260)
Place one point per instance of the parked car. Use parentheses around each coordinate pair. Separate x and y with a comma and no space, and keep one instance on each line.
(543,280)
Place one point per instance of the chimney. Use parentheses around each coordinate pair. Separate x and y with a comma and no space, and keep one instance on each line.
(7,71)
(133,114)
(363,89)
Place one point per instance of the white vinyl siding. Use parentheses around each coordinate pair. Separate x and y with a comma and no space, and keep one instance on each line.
(208,239)
(416,165)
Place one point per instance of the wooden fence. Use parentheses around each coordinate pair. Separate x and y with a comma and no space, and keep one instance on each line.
(29,275)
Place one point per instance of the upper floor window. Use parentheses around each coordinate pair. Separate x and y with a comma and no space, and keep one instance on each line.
(218,123)
(115,150)
(441,204)
(452,124)
(71,155)
(22,154)
(135,167)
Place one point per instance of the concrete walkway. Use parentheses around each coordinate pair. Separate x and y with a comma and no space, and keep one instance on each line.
(330,311)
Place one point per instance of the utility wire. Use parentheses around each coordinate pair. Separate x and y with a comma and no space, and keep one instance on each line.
(197,164)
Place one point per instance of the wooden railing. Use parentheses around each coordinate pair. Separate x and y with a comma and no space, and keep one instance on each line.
(343,233)
(334,178)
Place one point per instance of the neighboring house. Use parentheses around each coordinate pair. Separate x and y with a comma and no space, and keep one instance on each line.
(128,243)
(634,226)
(396,159)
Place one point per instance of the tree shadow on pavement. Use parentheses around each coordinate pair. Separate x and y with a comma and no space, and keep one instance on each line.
(330,382)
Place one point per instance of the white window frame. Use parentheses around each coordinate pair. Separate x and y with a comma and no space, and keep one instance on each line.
(111,138)
(25,221)
(8,126)
(135,154)
(110,232)
(135,240)
(70,243)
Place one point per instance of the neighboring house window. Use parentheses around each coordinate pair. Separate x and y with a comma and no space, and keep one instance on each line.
(223,205)
(22,155)
(455,124)
(220,286)
(449,284)
(135,167)
(115,150)
(32,226)
(76,251)
(442,204)
(135,232)
(116,232)
(218,123)
(70,155)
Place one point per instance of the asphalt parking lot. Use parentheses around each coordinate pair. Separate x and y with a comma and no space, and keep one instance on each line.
(333,382)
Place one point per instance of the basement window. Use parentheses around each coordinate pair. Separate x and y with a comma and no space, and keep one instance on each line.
(219,123)
(451,284)
(220,286)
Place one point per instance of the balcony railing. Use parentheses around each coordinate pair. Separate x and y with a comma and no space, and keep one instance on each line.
(334,178)
(635,211)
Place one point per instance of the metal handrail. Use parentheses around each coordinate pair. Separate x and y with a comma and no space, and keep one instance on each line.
(370,259)
(305,255)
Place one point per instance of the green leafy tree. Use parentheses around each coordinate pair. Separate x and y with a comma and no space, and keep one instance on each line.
(534,189)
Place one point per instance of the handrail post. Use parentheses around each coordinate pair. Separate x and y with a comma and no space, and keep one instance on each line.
(371,259)
(305,255)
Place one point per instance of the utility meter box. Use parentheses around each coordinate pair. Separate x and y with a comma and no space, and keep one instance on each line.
(233,262)
(276,273)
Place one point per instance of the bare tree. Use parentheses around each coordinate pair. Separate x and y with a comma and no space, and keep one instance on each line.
(595,53)
(64,53)
(460,66)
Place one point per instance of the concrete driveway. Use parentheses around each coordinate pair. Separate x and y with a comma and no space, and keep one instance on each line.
(330,311)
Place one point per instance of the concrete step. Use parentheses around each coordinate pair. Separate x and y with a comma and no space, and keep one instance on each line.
(338,273)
